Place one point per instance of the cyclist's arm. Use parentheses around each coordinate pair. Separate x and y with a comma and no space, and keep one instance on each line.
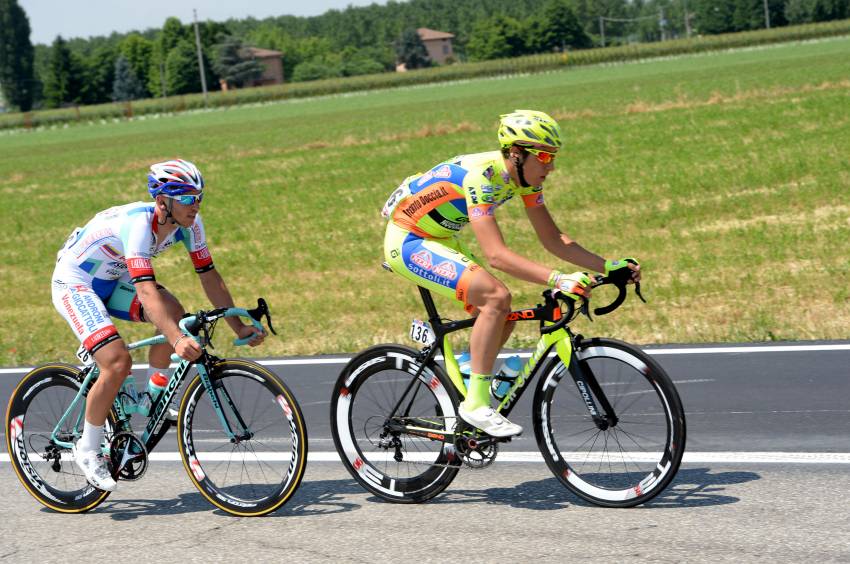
(156,310)
(560,244)
(219,296)
(500,257)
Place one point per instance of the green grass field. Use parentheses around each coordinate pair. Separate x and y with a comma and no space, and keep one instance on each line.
(725,173)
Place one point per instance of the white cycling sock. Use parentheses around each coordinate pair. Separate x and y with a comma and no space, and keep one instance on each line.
(91,439)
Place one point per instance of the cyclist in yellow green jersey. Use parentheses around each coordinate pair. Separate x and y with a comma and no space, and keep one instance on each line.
(426,213)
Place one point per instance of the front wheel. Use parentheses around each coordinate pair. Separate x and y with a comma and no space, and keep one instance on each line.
(635,454)
(257,466)
(389,427)
(44,466)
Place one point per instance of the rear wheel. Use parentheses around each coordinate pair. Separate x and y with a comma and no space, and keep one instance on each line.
(629,461)
(45,468)
(389,462)
(260,468)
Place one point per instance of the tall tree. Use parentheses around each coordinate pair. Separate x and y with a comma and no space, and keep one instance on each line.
(16,56)
(126,85)
(560,27)
(62,83)
(714,16)
(411,51)
(181,69)
(496,37)
(138,51)
(233,62)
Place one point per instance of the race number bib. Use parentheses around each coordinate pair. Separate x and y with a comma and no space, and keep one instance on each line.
(420,331)
(397,196)
(85,356)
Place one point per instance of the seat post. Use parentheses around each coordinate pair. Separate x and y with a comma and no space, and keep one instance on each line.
(430,307)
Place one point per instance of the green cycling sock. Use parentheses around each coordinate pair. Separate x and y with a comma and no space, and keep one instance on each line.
(478,393)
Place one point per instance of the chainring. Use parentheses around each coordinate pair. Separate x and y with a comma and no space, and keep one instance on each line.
(128,457)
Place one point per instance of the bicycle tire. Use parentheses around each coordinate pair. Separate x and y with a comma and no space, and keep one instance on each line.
(602,465)
(275,453)
(35,406)
(366,391)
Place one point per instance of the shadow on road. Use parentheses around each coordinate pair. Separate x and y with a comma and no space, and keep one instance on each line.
(692,487)
(320,497)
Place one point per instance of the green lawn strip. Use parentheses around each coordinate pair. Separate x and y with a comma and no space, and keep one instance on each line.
(725,173)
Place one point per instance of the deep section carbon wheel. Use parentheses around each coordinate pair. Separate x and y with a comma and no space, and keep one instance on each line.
(633,456)
(257,470)
(46,469)
(401,456)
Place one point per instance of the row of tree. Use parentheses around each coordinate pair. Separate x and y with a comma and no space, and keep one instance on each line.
(357,40)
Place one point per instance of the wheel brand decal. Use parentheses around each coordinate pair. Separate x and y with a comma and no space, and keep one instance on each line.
(195,465)
(16,427)
(281,401)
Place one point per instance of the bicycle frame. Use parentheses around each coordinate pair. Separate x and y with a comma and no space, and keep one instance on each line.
(561,339)
(157,425)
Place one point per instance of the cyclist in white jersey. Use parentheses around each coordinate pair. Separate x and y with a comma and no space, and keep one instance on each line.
(104,270)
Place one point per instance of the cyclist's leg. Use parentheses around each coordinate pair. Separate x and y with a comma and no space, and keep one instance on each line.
(441,266)
(85,312)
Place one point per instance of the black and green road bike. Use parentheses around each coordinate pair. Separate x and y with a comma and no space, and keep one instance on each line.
(607,418)
(240,432)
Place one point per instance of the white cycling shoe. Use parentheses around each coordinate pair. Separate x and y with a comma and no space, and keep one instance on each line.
(94,467)
(486,419)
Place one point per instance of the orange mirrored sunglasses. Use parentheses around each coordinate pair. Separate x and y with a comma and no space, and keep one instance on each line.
(544,157)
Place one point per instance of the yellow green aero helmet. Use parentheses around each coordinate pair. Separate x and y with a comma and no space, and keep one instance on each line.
(529,128)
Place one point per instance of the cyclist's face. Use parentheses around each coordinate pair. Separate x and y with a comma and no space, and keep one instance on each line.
(183,214)
(536,171)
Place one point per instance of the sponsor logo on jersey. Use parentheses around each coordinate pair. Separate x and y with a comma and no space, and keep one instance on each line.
(422,258)
(446,269)
(489,172)
(424,198)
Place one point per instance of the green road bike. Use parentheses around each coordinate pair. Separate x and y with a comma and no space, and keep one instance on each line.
(240,432)
(607,418)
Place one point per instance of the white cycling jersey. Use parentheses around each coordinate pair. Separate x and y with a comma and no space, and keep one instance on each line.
(99,263)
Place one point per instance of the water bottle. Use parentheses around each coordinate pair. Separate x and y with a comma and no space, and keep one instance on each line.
(465,368)
(156,385)
(128,395)
(506,376)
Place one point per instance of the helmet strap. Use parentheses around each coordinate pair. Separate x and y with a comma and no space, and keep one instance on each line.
(519,163)
(168,214)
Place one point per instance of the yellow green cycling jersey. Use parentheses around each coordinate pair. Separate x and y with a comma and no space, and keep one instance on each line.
(438,203)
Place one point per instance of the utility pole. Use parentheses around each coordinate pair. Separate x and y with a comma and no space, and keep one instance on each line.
(687,18)
(602,29)
(766,15)
(662,24)
(200,57)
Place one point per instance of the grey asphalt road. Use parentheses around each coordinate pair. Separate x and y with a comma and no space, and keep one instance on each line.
(770,401)
(784,402)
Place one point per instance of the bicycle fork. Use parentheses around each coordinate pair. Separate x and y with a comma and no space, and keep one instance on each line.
(589,388)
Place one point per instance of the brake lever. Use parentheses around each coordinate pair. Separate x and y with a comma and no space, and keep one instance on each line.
(637,291)
(585,308)
(263,311)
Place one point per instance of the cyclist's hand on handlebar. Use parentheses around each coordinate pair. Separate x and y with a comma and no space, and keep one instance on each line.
(187,348)
(576,285)
(612,266)
(256,335)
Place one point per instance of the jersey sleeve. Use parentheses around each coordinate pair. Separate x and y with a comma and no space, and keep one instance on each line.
(196,243)
(532,196)
(138,240)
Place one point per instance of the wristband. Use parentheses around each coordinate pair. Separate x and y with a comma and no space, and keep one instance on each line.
(180,338)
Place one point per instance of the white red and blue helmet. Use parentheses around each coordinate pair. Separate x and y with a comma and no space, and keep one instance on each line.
(173,178)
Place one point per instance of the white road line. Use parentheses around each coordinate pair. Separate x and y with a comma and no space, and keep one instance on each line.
(533,456)
(654,352)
